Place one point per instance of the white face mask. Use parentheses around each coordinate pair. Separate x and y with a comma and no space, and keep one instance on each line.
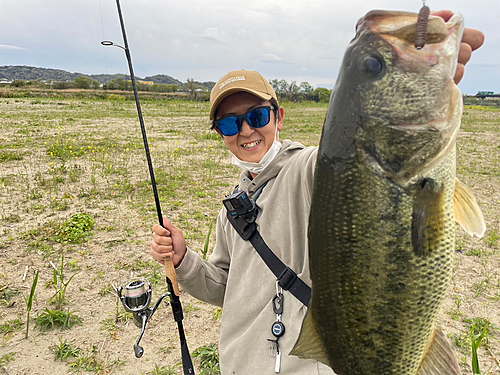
(256,168)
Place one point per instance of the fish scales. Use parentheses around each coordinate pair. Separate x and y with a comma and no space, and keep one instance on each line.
(360,267)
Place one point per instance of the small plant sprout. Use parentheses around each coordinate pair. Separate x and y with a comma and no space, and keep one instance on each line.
(51,319)
(209,359)
(64,350)
(204,252)
(165,370)
(476,343)
(480,333)
(492,239)
(29,302)
(59,297)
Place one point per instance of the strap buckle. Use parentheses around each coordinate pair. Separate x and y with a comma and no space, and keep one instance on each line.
(287,278)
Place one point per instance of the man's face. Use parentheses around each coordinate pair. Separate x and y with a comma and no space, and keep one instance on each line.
(250,144)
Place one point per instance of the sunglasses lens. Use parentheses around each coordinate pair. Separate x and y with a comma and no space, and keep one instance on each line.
(259,117)
(229,125)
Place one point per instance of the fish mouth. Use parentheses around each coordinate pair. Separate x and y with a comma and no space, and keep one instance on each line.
(438,111)
(399,30)
(402,25)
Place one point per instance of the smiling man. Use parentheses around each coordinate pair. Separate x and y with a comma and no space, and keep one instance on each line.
(245,112)
(247,115)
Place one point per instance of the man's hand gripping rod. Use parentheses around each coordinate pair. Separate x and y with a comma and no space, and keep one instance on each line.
(173,285)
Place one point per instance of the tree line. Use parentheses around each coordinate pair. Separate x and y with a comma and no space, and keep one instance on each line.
(284,90)
(87,83)
(303,91)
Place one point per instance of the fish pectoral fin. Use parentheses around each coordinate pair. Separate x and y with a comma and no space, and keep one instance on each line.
(439,358)
(467,211)
(428,217)
(309,345)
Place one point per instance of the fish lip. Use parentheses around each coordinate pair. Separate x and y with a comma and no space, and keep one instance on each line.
(398,29)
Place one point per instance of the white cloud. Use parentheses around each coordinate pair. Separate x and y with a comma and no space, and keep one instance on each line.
(282,40)
(6,46)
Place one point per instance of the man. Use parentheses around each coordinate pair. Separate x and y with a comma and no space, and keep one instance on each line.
(246,114)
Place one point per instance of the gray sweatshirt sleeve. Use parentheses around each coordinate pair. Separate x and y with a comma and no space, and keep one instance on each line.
(206,280)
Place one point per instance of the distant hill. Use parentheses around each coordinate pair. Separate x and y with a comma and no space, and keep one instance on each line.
(162,78)
(31,73)
(105,78)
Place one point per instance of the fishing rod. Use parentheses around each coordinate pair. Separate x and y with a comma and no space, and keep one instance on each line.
(137,297)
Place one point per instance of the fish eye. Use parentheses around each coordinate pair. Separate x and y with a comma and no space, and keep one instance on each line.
(373,66)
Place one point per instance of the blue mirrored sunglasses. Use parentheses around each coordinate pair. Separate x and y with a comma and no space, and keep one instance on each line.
(256,117)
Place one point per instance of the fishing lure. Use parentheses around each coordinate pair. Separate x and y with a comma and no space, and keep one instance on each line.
(422,23)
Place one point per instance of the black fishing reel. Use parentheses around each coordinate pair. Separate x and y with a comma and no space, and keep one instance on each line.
(136,300)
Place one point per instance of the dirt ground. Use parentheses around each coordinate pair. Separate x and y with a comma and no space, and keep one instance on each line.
(38,192)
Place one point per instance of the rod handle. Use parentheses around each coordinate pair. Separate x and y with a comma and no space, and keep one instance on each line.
(172,276)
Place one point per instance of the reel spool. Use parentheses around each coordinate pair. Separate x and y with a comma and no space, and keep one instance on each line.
(136,300)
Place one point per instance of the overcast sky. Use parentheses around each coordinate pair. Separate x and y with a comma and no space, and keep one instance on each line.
(284,39)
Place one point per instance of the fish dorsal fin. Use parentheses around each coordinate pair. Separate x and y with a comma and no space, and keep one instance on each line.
(467,211)
(308,345)
(439,358)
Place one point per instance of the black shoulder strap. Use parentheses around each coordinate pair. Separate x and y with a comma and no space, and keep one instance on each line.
(286,277)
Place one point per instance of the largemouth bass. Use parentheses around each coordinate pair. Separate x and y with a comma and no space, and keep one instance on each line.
(385,200)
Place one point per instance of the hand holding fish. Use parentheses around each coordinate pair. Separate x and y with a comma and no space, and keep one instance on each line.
(471,41)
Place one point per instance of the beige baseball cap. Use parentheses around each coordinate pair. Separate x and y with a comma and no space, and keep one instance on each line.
(240,80)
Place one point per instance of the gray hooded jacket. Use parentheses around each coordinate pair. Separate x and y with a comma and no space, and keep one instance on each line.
(237,279)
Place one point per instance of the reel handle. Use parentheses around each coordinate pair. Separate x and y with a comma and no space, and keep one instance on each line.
(172,276)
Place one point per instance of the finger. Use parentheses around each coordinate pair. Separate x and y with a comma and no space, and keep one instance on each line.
(473,37)
(170,227)
(158,229)
(161,257)
(162,240)
(160,249)
(465,53)
(459,74)
(444,14)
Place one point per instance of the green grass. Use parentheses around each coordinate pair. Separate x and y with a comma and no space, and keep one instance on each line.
(7,293)
(6,156)
(64,351)
(76,183)
(11,326)
(208,356)
(52,319)
(77,229)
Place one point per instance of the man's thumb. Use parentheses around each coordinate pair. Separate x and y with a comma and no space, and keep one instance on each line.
(168,225)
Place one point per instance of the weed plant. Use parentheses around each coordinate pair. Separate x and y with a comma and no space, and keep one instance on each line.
(6,359)
(76,230)
(165,370)
(64,350)
(6,294)
(60,285)
(29,302)
(208,355)
(51,319)
(11,326)
(89,361)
